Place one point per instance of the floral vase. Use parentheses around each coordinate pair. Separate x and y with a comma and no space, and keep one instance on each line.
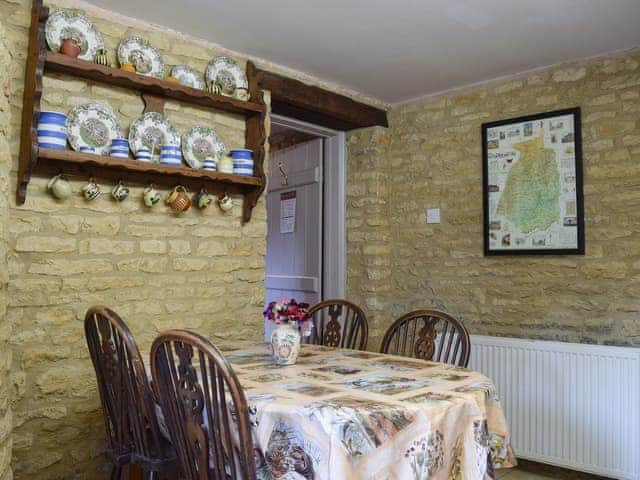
(285,343)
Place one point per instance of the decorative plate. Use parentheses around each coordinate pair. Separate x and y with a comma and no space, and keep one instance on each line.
(93,125)
(226,74)
(152,130)
(144,57)
(73,24)
(200,143)
(187,76)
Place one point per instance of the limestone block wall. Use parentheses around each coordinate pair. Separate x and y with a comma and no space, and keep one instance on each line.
(201,270)
(431,157)
(5,325)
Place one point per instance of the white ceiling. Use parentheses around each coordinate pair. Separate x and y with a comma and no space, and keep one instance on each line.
(395,50)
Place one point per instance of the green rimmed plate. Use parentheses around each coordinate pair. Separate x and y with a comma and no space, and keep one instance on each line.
(71,23)
(93,125)
(145,57)
(200,143)
(187,76)
(227,75)
(152,130)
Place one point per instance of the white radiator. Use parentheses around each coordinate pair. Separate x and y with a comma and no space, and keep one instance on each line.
(571,405)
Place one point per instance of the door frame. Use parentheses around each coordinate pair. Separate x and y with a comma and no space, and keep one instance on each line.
(334,245)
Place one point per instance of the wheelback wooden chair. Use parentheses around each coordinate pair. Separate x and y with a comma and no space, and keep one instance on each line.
(428,335)
(129,407)
(206,409)
(338,323)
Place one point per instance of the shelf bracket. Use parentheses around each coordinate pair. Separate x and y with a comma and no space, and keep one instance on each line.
(153,103)
(36,56)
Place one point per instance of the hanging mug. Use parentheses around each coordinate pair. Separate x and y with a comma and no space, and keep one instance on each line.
(225,202)
(150,196)
(91,190)
(178,199)
(202,199)
(59,187)
(119,192)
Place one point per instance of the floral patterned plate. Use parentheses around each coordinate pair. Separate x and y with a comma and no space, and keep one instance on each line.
(152,130)
(199,143)
(73,24)
(227,75)
(144,57)
(187,76)
(93,125)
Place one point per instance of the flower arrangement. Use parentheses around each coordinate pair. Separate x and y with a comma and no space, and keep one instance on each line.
(289,311)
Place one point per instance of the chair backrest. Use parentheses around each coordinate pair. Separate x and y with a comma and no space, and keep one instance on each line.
(428,335)
(127,399)
(340,324)
(205,406)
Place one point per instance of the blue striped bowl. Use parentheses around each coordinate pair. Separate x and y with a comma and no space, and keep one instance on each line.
(52,130)
(143,154)
(120,148)
(171,155)
(87,149)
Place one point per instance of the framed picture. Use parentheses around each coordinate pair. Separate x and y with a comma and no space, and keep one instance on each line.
(532,182)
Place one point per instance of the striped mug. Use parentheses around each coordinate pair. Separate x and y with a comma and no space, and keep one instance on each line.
(120,148)
(52,130)
(171,155)
(143,154)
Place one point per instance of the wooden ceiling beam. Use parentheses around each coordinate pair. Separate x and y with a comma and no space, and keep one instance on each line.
(295,99)
(288,138)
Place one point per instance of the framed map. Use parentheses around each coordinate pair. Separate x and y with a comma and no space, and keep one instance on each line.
(532,172)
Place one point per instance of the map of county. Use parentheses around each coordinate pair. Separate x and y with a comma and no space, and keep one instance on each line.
(530,199)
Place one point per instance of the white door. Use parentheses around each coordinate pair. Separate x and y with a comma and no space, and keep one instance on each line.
(294,224)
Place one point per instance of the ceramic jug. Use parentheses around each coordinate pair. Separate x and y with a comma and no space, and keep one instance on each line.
(59,187)
(202,199)
(70,47)
(91,190)
(150,196)
(178,199)
(119,192)
(225,202)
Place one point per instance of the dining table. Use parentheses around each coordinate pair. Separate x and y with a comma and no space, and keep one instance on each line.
(358,415)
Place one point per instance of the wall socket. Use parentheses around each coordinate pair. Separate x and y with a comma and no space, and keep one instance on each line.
(433,215)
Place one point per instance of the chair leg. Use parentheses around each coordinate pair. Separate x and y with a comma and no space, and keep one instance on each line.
(152,475)
(116,472)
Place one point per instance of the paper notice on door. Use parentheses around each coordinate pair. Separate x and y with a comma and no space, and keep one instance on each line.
(288,212)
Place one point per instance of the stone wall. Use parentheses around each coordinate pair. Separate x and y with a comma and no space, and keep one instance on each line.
(201,270)
(5,325)
(432,157)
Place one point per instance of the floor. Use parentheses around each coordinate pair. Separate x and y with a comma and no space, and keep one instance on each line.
(515,474)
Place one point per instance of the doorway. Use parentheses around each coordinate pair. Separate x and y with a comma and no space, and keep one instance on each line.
(306,234)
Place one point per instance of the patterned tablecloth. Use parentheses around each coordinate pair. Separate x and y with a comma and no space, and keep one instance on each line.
(345,414)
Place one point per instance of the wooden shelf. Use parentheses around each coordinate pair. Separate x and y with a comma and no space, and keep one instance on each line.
(154,92)
(56,62)
(152,170)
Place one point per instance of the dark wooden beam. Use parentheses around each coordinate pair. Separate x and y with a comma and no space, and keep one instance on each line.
(295,99)
(289,138)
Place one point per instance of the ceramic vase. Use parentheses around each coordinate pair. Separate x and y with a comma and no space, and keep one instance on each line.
(285,343)
(70,47)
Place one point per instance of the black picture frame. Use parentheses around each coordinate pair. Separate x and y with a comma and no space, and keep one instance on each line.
(493,247)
